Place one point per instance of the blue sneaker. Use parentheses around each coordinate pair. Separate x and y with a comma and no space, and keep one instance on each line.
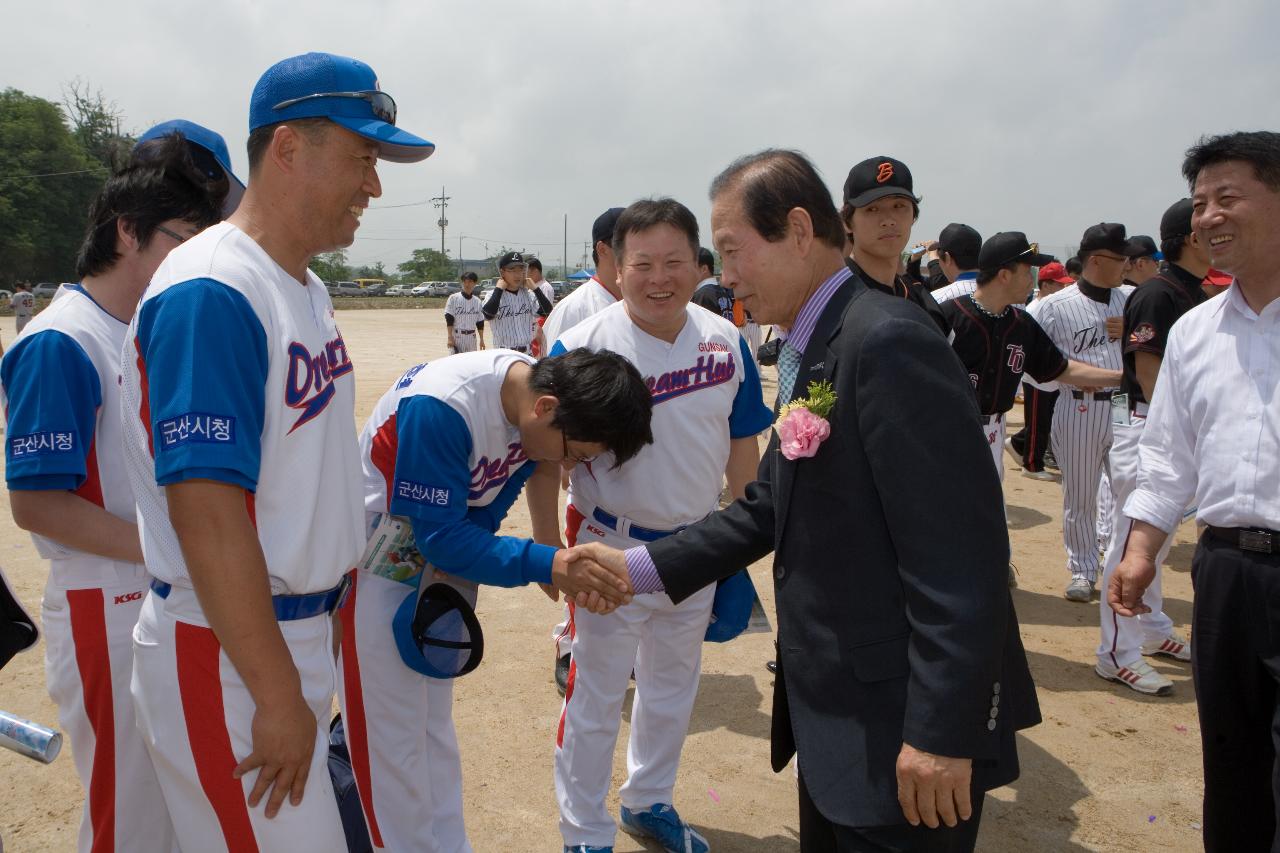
(662,823)
(583,848)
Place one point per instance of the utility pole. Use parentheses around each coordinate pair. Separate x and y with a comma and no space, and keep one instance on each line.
(442,202)
(459,256)
(564,259)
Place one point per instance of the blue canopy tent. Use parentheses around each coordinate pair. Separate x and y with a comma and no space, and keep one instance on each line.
(581,275)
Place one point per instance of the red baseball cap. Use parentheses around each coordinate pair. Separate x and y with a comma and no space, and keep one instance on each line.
(1055,271)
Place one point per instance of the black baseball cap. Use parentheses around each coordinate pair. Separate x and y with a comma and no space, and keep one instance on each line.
(1010,247)
(1176,221)
(1105,237)
(602,228)
(1142,246)
(510,259)
(877,178)
(962,243)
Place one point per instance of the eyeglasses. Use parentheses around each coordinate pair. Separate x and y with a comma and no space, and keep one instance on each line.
(1119,258)
(384,106)
(174,234)
(576,460)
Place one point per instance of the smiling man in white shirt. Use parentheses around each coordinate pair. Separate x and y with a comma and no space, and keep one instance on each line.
(1212,440)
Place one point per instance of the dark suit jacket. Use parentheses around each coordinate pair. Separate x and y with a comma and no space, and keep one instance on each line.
(890,564)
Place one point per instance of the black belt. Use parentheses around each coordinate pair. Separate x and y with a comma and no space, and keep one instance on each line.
(464,331)
(1258,541)
(1077,394)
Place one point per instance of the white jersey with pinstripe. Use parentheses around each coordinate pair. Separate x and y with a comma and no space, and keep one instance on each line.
(511,318)
(1075,319)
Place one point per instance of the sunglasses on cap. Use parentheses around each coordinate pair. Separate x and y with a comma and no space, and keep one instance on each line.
(383,105)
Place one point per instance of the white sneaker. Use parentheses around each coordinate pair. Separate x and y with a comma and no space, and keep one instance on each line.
(1139,676)
(1013,454)
(1046,476)
(1172,646)
(1080,589)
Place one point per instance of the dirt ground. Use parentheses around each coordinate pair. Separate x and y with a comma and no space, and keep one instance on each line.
(1107,770)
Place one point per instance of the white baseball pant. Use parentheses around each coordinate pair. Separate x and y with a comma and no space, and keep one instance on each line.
(196,718)
(399,725)
(465,341)
(1122,637)
(1081,439)
(662,641)
(88,665)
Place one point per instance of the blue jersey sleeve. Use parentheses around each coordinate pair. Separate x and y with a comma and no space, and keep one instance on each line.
(430,487)
(53,397)
(203,356)
(750,416)
(491,515)
(557,349)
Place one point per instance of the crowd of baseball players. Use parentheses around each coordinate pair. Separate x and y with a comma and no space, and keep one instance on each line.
(227,553)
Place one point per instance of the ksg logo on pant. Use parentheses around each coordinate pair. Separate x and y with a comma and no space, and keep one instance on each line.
(128,596)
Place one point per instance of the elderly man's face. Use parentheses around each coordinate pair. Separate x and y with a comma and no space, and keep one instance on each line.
(339,172)
(1237,217)
(768,278)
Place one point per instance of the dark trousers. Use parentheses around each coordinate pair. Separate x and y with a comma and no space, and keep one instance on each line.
(1032,440)
(820,835)
(1235,660)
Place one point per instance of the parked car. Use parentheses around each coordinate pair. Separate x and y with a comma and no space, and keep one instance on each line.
(44,289)
(421,290)
(438,288)
(452,287)
(346,288)
(5,296)
(399,290)
(559,289)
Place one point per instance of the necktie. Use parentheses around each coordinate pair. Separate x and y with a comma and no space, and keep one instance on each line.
(788,368)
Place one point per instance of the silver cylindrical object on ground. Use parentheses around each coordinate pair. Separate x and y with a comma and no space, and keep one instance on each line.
(30,739)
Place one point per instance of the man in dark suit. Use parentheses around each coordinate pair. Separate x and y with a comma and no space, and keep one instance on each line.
(901,678)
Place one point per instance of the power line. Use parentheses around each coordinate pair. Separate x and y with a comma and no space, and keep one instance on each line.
(53,174)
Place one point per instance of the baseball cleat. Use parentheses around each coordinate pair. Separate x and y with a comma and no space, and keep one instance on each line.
(1138,676)
(1044,476)
(1080,589)
(562,673)
(1051,461)
(1013,575)
(1013,454)
(662,823)
(1171,646)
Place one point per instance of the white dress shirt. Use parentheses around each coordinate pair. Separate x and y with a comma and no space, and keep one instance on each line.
(1212,436)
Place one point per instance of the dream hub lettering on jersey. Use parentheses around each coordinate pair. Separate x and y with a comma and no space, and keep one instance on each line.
(492,474)
(708,371)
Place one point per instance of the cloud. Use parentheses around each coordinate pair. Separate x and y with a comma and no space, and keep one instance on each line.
(1011,115)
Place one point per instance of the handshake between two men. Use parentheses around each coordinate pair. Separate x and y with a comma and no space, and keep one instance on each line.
(593,576)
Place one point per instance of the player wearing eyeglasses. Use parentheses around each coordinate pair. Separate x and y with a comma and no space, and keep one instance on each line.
(446,452)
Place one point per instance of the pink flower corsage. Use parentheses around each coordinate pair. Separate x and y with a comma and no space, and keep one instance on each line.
(803,425)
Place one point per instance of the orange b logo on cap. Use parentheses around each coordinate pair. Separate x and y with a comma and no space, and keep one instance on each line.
(885,173)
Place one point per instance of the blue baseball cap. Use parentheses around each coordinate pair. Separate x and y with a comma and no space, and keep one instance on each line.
(343,90)
(206,140)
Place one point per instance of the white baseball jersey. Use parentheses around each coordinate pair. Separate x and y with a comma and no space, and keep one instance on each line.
(465,311)
(699,383)
(589,299)
(547,291)
(511,316)
(1076,321)
(22,302)
(237,372)
(61,394)
(437,447)
(965,283)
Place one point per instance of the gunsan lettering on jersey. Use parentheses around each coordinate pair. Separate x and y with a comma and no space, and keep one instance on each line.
(307,372)
(706,373)
(493,474)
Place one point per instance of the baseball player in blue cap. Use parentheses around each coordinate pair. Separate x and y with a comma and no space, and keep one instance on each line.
(239,432)
(67,480)
(208,152)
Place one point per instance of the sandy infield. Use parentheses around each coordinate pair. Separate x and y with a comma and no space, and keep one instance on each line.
(1107,770)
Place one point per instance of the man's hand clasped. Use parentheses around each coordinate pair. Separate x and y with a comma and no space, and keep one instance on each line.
(933,789)
(595,577)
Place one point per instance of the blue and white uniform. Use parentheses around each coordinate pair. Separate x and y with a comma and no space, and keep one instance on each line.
(236,372)
(706,393)
(61,394)
(965,284)
(438,451)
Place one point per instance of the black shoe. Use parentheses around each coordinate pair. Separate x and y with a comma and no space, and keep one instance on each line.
(772,666)
(562,673)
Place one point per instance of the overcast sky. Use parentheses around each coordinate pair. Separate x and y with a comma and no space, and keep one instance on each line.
(1012,116)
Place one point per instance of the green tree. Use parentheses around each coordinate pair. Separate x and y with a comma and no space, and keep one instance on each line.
(95,122)
(366,271)
(331,266)
(47,182)
(428,265)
